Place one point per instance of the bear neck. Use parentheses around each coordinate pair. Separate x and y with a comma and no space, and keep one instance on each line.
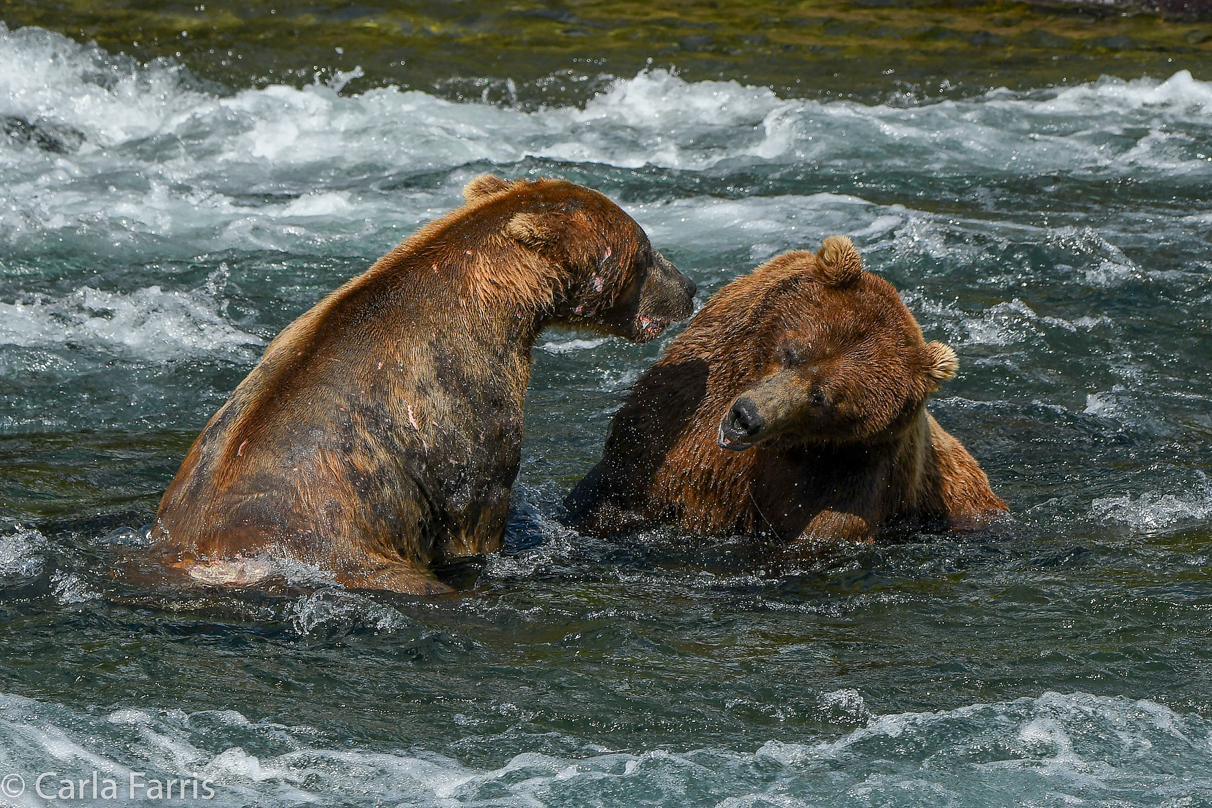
(490,285)
(898,463)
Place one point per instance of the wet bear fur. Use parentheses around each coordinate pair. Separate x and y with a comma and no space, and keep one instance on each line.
(795,404)
(381,431)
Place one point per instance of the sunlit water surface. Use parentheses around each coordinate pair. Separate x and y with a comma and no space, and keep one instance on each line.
(155,233)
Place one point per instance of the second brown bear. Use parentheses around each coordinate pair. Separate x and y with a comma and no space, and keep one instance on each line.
(794,403)
(381,432)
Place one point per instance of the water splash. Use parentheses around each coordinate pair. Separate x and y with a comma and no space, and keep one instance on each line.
(21,553)
(1152,511)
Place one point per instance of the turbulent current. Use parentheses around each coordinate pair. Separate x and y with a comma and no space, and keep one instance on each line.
(156,231)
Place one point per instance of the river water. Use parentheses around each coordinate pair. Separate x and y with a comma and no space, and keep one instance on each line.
(156,231)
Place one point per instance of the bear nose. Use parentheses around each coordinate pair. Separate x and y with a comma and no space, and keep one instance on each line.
(745,417)
(691,288)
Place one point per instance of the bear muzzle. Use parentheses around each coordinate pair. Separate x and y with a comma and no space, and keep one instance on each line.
(741,426)
(767,409)
(665,297)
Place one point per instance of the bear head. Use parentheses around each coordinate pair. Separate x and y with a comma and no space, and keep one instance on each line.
(607,275)
(837,359)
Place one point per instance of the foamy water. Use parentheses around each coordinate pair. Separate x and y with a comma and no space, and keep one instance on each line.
(1053,749)
(299,169)
(155,233)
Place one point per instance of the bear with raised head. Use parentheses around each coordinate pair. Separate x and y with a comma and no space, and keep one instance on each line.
(793,403)
(381,431)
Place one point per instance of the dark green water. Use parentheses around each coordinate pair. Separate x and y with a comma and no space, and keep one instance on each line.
(155,235)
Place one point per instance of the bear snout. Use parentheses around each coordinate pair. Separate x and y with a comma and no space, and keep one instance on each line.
(689,288)
(674,291)
(742,423)
(666,296)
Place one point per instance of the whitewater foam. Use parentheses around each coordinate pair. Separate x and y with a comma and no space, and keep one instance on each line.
(1069,747)
(571,345)
(149,323)
(332,605)
(179,162)
(1152,510)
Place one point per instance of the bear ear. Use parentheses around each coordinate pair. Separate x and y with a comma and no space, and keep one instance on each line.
(941,363)
(482,186)
(531,231)
(838,263)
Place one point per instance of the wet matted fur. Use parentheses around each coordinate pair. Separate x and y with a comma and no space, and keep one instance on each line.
(793,403)
(381,431)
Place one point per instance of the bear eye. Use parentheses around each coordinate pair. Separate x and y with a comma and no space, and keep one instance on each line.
(818,397)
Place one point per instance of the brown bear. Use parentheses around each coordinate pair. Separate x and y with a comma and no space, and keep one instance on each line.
(793,403)
(381,431)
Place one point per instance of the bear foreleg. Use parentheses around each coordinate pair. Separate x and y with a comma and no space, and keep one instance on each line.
(398,576)
(833,526)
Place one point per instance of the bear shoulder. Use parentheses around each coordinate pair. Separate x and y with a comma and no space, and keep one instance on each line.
(963,487)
